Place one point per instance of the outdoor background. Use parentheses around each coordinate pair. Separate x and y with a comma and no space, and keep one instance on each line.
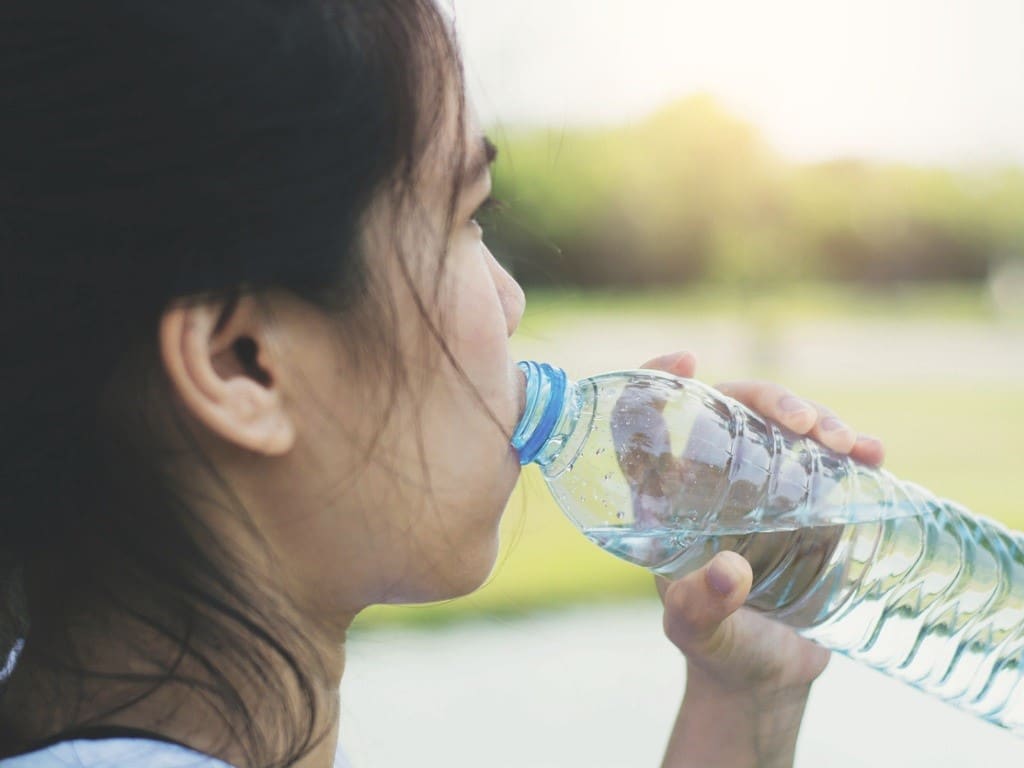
(825,194)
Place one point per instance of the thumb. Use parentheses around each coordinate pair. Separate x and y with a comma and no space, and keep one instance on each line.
(697,605)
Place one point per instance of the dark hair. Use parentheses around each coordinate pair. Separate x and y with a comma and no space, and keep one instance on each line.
(152,150)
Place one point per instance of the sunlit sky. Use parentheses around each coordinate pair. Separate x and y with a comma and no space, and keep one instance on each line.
(926,81)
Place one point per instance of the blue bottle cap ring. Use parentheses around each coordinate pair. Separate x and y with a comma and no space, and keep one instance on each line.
(556,379)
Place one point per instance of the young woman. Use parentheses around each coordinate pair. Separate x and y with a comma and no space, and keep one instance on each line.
(257,378)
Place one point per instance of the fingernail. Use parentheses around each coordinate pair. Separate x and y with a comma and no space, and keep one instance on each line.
(862,438)
(832,424)
(722,577)
(793,404)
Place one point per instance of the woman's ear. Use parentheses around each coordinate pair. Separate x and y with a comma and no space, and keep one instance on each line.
(223,371)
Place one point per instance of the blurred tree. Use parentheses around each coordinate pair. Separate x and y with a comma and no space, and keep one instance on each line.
(693,193)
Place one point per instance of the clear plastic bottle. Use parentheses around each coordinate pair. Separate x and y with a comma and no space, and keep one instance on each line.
(665,472)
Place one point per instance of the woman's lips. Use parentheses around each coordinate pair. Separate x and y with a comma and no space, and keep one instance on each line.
(519,388)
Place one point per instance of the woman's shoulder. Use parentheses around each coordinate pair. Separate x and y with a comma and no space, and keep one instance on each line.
(113,753)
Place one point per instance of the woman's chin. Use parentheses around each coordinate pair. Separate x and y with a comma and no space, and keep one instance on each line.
(471,574)
(461,574)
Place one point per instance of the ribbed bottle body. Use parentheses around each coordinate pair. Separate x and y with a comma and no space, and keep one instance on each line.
(666,472)
(935,600)
(649,453)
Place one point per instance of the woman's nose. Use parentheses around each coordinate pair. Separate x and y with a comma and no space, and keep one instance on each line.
(510,293)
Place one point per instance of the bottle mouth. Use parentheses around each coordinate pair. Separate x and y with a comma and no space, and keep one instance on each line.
(545,396)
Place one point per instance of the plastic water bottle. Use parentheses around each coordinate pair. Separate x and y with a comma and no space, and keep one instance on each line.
(665,472)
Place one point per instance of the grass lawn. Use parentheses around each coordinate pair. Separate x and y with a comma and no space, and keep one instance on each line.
(797,301)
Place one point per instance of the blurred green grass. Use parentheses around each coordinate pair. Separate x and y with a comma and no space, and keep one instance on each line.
(795,301)
(960,439)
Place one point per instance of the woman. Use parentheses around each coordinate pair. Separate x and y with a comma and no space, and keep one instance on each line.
(257,378)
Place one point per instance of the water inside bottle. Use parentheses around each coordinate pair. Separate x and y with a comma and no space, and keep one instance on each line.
(936,600)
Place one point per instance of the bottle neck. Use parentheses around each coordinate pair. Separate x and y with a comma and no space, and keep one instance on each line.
(548,390)
(557,419)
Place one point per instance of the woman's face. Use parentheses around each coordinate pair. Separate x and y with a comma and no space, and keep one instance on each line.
(398,499)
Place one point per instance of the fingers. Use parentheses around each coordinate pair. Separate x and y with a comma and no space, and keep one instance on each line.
(697,606)
(831,431)
(868,450)
(774,402)
(779,404)
(679,363)
(805,417)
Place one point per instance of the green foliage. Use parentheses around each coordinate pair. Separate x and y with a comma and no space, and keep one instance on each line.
(693,193)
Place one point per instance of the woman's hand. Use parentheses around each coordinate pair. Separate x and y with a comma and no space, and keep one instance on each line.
(747,676)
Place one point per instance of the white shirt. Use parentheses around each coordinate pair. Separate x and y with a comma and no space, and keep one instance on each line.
(123,753)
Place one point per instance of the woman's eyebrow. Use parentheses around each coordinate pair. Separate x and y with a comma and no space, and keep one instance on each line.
(484,154)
